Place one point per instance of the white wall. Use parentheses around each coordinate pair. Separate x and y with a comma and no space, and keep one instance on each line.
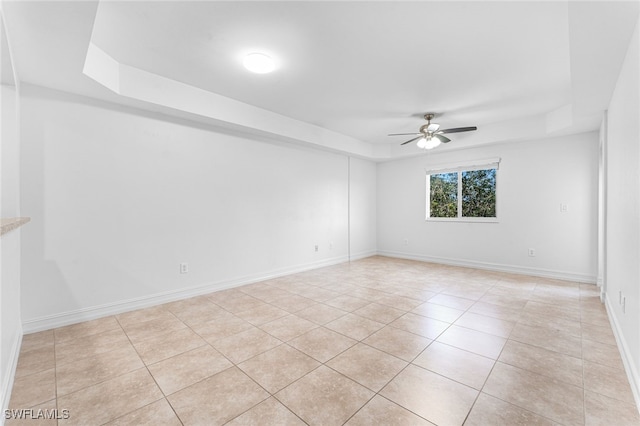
(10,322)
(11,325)
(362,207)
(119,198)
(533,180)
(623,211)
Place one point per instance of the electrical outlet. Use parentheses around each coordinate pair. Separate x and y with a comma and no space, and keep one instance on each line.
(564,208)
(184,268)
(316,247)
(406,241)
(532,252)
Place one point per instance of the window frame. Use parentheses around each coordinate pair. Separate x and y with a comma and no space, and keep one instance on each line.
(459,168)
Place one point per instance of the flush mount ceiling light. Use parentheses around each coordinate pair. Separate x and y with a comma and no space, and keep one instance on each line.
(259,63)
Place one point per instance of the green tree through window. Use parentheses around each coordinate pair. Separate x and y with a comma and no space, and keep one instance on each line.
(444,195)
(465,194)
(479,193)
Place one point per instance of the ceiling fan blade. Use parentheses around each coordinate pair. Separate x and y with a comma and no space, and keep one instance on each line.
(411,140)
(403,134)
(433,127)
(458,130)
(443,139)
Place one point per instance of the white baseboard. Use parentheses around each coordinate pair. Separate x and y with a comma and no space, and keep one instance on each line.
(362,255)
(520,270)
(95,312)
(627,357)
(9,375)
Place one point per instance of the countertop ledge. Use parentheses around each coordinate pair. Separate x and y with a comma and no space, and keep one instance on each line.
(8,224)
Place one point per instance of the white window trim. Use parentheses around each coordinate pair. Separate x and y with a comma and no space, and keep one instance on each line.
(490,163)
(464,219)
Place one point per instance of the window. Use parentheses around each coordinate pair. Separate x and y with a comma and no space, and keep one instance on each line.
(443,195)
(463,192)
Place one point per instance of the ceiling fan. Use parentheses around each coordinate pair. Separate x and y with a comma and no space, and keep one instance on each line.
(430,135)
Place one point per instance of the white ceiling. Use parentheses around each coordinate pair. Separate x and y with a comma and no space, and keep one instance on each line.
(358,70)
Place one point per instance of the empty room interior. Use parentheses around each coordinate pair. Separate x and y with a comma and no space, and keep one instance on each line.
(320,212)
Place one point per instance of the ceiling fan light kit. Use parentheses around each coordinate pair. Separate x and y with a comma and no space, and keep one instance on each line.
(430,135)
(431,143)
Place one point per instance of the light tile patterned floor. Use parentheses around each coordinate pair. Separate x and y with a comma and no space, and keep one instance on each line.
(377,341)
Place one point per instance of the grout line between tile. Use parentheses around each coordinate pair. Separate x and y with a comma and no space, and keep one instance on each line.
(446,286)
(152,377)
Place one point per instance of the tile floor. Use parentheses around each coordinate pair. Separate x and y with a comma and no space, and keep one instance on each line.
(377,341)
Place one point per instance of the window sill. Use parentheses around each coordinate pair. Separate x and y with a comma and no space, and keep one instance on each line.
(464,219)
